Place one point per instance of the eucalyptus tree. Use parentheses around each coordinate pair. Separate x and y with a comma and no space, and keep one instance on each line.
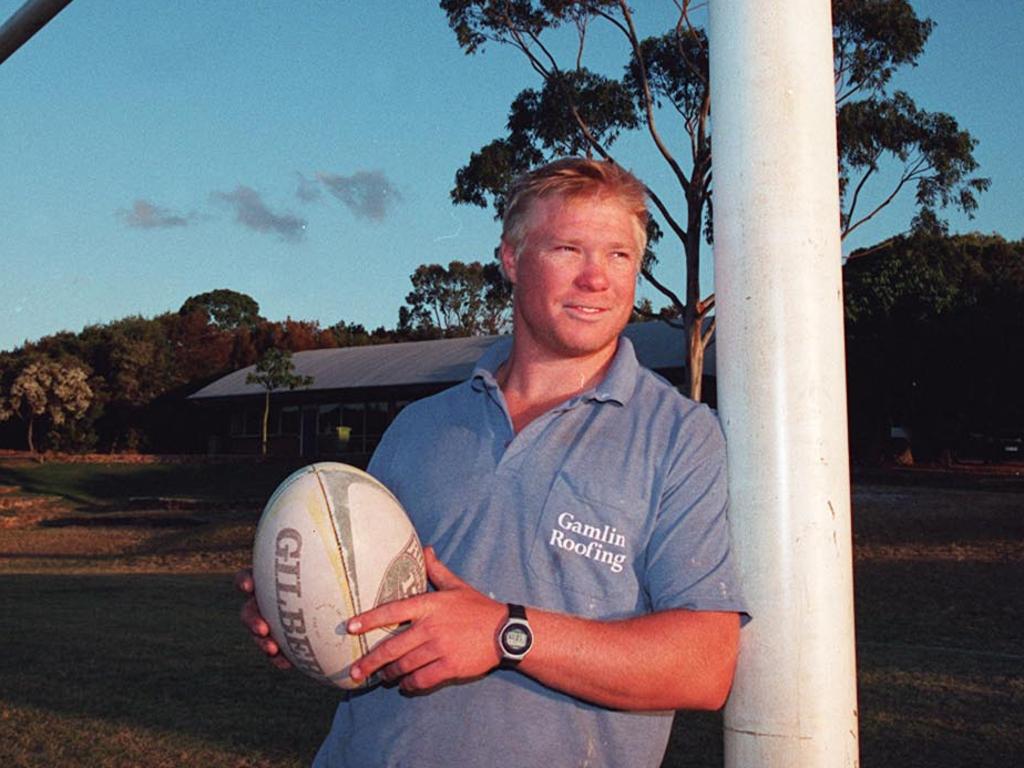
(462,299)
(663,91)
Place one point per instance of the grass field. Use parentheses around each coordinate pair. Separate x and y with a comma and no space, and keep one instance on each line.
(122,647)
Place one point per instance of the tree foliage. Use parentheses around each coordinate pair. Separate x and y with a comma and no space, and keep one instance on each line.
(356,335)
(929,150)
(58,391)
(224,309)
(461,299)
(665,81)
(275,371)
(935,338)
(141,369)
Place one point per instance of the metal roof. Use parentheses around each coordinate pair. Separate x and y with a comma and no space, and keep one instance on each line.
(441,361)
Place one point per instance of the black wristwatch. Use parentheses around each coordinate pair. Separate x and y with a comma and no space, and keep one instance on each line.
(515,638)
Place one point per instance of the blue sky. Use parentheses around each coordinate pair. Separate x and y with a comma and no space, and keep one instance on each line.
(303,152)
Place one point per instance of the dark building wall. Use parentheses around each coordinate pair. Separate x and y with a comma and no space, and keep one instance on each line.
(322,424)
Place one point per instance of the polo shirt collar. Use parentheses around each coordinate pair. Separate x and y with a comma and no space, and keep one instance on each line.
(620,381)
(617,385)
(489,363)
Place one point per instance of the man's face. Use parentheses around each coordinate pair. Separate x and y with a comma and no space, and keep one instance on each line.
(575,275)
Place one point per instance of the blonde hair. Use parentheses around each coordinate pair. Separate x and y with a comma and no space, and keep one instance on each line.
(572,178)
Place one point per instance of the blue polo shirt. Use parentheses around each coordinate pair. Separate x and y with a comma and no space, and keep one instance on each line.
(610,505)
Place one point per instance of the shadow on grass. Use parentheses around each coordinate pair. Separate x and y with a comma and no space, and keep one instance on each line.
(929,516)
(934,707)
(156,651)
(101,486)
(166,652)
(941,665)
(968,605)
(941,676)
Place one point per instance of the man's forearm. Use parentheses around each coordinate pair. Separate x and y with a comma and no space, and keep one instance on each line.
(674,659)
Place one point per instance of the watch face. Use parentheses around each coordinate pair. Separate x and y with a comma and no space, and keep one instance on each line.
(516,639)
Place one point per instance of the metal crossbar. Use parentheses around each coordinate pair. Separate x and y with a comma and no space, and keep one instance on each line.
(26,21)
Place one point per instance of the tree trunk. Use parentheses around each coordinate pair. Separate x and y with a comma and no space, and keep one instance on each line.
(266,419)
(692,319)
(695,359)
(31,445)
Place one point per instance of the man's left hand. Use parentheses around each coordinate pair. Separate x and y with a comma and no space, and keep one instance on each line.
(452,636)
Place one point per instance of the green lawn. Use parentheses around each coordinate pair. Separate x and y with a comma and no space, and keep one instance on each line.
(149,670)
(104,485)
(106,663)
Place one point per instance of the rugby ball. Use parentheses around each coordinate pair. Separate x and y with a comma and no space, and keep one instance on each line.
(332,542)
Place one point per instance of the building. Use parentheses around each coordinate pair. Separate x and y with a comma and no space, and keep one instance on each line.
(357,391)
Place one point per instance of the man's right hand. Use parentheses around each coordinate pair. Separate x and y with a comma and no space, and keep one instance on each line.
(255,623)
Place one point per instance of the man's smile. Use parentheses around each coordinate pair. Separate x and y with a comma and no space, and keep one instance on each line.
(586,309)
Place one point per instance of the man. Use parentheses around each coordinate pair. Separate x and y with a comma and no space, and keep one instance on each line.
(565,478)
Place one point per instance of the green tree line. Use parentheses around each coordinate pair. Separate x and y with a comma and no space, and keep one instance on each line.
(934,340)
(120,386)
(138,371)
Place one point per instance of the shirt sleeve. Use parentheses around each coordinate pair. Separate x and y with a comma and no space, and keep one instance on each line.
(382,462)
(689,560)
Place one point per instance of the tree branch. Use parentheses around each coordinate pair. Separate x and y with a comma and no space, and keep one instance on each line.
(546,52)
(706,190)
(669,218)
(655,316)
(705,337)
(684,18)
(581,31)
(518,42)
(919,169)
(612,20)
(705,305)
(860,185)
(652,128)
(672,296)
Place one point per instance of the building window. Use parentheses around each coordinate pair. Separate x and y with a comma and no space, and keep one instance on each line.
(246,422)
(290,420)
(329,419)
(376,422)
(353,415)
(332,436)
(253,422)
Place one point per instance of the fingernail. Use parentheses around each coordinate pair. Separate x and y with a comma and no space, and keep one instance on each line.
(354,626)
(355,673)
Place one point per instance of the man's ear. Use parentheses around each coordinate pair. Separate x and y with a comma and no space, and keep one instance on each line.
(507,254)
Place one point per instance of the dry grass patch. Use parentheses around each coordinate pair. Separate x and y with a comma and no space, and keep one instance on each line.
(122,644)
(39,738)
(126,544)
(103,669)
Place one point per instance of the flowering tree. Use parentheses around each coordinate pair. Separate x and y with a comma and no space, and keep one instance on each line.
(47,388)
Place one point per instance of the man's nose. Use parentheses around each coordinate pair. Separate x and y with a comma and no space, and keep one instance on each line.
(593,274)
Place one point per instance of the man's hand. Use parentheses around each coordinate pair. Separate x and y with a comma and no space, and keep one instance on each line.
(453,634)
(255,623)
